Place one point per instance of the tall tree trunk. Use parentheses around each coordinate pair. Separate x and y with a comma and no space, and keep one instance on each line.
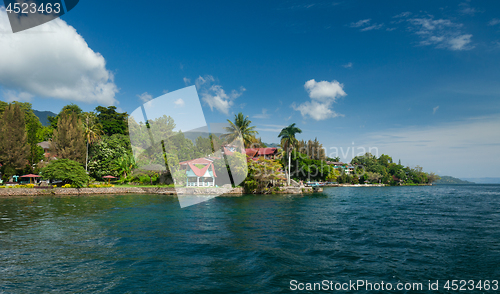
(289,164)
(87,157)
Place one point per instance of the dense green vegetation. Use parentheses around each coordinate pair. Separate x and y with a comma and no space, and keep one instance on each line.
(365,169)
(100,144)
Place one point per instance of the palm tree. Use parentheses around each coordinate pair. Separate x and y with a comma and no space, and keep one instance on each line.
(93,131)
(240,127)
(288,140)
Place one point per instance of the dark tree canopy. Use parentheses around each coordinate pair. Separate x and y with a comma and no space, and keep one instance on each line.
(112,122)
(70,108)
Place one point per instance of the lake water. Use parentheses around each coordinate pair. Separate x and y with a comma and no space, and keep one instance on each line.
(250,244)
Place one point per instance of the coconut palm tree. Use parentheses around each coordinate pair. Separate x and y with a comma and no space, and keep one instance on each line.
(288,140)
(93,131)
(241,126)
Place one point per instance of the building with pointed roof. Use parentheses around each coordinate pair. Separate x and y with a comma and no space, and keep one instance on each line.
(200,172)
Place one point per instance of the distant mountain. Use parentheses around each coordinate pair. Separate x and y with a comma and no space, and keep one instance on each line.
(451,180)
(272,145)
(43,116)
(194,135)
(484,180)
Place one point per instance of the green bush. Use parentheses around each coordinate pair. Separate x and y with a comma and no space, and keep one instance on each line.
(68,171)
(250,186)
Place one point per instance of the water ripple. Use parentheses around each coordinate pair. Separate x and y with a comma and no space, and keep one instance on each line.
(251,244)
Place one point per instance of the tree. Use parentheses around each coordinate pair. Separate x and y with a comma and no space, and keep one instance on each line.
(203,146)
(432,177)
(384,160)
(34,132)
(105,155)
(332,176)
(45,133)
(374,177)
(112,122)
(181,146)
(261,174)
(126,164)
(235,166)
(67,171)
(240,127)
(68,109)
(3,105)
(336,159)
(238,166)
(367,160)
(288,140)
(7,171)
(401,175)
(14,147)
(179,177)
(151,171)
(68,141)
(92,130)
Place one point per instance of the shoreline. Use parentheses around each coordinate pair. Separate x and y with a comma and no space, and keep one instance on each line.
(227,192)
(222,192)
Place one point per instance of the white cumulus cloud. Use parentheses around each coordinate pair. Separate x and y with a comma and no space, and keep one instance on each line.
(214,95)
(323,94)
(54,61)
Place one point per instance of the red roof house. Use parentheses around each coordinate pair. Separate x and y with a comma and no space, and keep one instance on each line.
(267,153)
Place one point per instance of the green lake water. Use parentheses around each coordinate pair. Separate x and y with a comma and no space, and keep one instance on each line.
(250,244)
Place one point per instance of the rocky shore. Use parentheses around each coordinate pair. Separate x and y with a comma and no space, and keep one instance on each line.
(6,192)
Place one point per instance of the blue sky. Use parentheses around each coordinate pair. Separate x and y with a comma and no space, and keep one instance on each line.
(416,80)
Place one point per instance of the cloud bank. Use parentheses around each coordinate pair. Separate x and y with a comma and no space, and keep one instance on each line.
(444,148)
